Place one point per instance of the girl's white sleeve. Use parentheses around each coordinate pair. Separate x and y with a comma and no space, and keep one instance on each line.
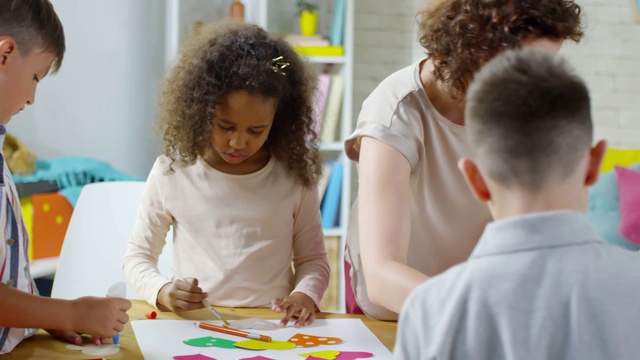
(309,253)
(153,221)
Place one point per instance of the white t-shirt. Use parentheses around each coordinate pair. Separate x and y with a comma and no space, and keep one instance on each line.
(238,234)
(446,220)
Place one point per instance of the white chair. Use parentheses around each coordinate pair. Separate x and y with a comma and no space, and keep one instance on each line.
(96,240)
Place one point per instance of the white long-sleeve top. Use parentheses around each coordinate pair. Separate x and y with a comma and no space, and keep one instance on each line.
(239,235)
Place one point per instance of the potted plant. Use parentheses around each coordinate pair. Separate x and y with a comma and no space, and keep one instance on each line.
(308,13)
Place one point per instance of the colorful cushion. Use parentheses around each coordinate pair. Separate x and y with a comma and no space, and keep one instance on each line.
(622,157)
(629,190)
(604,209)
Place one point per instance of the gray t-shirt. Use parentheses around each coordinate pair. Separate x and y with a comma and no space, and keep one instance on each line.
(446,220)
(537,286)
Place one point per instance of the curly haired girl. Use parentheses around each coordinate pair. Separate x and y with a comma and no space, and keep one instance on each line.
(409,137)
(236,181)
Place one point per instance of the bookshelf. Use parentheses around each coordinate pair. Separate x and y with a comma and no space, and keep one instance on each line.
(279,16)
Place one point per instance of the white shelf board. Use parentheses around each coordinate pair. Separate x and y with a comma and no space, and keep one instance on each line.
(326,59)
(333,231)
(332,146)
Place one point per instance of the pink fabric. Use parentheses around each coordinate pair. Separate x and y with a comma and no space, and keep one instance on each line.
(350,299)
(629,190)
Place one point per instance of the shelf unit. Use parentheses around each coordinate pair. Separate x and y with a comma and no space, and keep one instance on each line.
(279,16)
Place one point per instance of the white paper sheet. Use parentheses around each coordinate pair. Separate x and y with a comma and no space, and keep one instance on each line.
(162,339)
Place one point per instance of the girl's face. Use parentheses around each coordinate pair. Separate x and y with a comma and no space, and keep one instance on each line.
(240,129)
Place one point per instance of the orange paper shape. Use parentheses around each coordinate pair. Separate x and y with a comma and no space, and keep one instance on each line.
(305,340)
(326,354)
(51,215)
(265,345)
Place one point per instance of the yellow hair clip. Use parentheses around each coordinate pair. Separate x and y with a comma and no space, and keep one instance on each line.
(277,65)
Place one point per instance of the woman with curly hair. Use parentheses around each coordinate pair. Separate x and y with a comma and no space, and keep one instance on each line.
(414,216)
(236,182)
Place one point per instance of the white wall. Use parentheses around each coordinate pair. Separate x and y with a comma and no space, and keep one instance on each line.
(609,59)
(384,41)
(102,102)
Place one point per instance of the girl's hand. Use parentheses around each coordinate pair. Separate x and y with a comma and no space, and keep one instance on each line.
(181,295)
(297,305)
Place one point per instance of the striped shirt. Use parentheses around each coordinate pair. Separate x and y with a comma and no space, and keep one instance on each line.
(14,250)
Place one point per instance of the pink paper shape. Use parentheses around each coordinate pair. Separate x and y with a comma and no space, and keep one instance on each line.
(257,358)
(193,357)
(629,189)
(352,355)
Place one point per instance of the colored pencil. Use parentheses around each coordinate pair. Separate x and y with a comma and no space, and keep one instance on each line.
(231,331)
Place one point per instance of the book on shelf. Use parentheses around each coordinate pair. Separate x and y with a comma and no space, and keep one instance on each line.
(336,34)
(320,96)
(333,109)
(319,50)
(330,207)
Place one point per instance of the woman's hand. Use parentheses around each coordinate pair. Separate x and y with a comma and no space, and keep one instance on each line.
(297,305)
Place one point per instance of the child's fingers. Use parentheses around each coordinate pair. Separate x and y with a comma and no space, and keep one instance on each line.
(188,285)
(305,317)
(99,340)
(69,336)
(187,305)
(191,281)
(287,316)
(276,304)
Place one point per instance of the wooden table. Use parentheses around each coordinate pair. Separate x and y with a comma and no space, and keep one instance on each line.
(43,346)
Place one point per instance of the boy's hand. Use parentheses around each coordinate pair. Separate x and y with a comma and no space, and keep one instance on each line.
(75,338)
(297,305)
(181,295)
(68,336)
(98,317)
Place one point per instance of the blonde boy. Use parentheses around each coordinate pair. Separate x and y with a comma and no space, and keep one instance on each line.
(540,283)
(32,43)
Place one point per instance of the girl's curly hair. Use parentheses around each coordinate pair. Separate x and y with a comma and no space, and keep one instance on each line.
(461,35)
(230,56)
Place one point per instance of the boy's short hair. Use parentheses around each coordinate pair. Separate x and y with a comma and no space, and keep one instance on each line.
(528,119)
(33,24)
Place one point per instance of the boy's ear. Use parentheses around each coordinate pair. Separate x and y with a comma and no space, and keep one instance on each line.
(7,49)
(596,154)
(474,179)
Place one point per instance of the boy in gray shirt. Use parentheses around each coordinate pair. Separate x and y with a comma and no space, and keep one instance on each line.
(540,283)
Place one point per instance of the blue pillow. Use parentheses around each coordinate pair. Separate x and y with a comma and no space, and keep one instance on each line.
(604,209)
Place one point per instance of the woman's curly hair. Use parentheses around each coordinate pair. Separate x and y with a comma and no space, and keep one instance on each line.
(461,35)
(226,57)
